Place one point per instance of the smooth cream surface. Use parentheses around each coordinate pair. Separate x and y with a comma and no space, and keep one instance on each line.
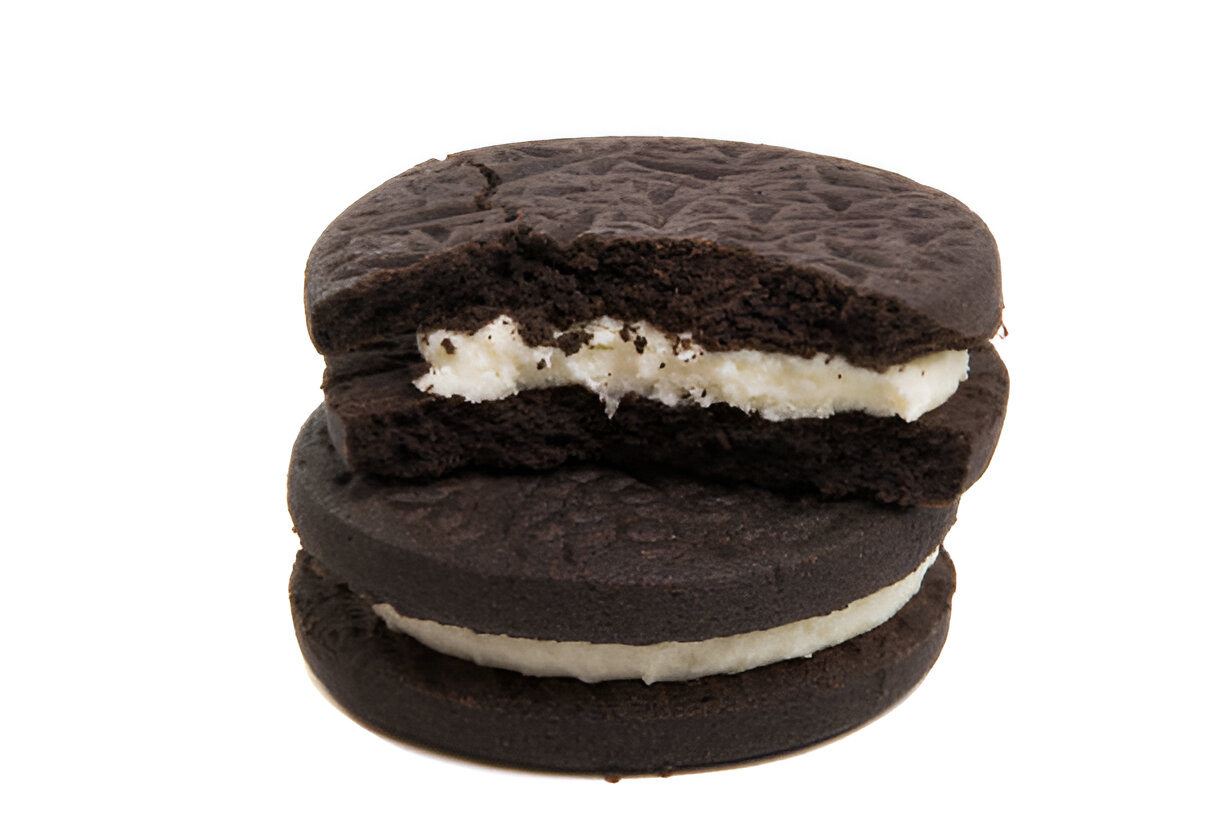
(668,660)
(494,363)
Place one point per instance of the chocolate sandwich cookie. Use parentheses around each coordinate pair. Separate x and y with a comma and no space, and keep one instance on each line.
(755,300)
(596,621)
(395,685)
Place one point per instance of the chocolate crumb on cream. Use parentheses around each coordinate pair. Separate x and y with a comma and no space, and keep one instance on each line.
(492,363)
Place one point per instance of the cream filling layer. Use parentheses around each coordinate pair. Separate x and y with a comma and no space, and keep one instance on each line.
(668,660)
(618,358)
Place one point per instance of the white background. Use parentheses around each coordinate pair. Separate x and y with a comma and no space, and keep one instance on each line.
(165,170)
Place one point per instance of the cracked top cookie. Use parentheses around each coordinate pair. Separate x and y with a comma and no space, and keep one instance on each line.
(742,246)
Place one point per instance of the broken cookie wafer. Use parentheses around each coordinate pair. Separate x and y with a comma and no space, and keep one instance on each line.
(749,293)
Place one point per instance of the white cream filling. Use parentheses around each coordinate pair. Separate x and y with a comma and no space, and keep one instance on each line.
(668,660)
(494,363)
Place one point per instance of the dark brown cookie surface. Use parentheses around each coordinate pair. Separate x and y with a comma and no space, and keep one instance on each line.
(395,685)
(741,245)
(591,553)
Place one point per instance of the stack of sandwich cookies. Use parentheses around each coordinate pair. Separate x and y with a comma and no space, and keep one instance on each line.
(637,454)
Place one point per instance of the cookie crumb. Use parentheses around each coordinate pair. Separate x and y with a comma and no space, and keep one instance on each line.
(570,341)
